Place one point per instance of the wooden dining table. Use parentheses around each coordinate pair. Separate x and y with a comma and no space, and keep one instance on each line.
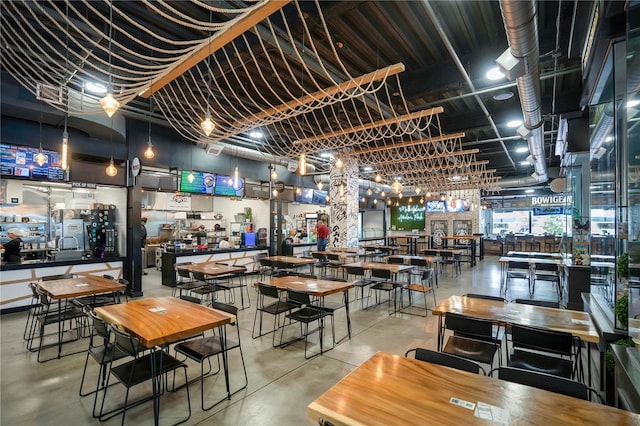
(471,239)
(216,270)
(392,390)
(317,288)
(430,259)
(70,288)
(164,320)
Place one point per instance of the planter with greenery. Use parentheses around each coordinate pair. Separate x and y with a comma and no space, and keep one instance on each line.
(608,355)
(622,266)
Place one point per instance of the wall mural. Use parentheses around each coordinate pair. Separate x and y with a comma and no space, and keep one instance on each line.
(343,198)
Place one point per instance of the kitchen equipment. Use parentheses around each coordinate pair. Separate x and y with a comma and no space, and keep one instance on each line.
(68,249)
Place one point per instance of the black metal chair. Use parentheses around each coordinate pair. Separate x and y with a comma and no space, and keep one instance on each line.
(382,281)
(546,382)
(266,267)
(518,270)
(334,263)
(321,262)
(201,350)
(547,272)
(446,360)
(474,338)
(545,351)
(185,281)
(138,371)
(359,281)
(422,288)
(420,266)
(275,308)
(103,352)
(233,281)
(306,314)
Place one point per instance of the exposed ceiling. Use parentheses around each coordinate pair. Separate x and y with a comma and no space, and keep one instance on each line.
(445,47)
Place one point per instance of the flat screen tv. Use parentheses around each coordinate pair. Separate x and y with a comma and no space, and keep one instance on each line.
(436,206)
(458,206)
(319,197)
(305,196)
(19,161)
(227,186)
(203,182)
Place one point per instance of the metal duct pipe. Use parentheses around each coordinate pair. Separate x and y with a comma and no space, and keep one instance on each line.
(251,154)
(362,183)
(522,34)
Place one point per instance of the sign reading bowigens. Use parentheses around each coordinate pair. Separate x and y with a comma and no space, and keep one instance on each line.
(551,200)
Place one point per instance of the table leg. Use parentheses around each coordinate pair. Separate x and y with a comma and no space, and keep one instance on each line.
(155,383)
(473,252)
(225,358)
(346,306)
(59,329)
(440,336)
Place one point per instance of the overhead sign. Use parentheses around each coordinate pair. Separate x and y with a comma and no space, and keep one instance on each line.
(179,202)
(551,200)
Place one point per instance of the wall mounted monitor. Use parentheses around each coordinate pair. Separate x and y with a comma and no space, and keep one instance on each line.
(19,161)
(436,206)
(227,186)
(305,196)
(458,206)
(203,182)
(319,197)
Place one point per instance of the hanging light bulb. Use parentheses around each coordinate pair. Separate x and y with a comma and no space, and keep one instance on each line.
(40,158)
(364,200)
(111,169)
(320,185)
(375,201)
(339,163)
(400,195)
(191,177)
(410,199)
(148,153)
(442,197)
(274,173)
(383,194)
(65,148)
(342,189)
(298,190)
(397,203)
(274,192)
(396,187)
(303,164)
(207,124)
(421,200)
(328,198)
(109,104)
(417,189)
(378,178)
(369,191)
(389,202)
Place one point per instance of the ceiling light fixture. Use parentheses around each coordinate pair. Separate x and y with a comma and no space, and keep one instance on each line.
(396,187)
(110,104)
(339,163)
(148,153)
(529,191)
(522,149)
(494,74)
(633,103)
(378,178)
(383,194)
(274,173)
(303,164)
(369,191)
(514,123)
(256,134)
(417,190)
(65,145)
(236,179)
(95,88)
(525,163)
(375,201)
(320,185)
(207,124)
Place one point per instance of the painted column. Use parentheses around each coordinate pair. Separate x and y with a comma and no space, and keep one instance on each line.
(343,199)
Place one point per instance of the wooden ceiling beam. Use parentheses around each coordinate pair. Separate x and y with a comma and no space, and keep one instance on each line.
(393,120)
(321,94)
(409,143)
(214,43)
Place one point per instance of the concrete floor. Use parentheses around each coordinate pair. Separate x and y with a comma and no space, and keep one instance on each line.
(281,382)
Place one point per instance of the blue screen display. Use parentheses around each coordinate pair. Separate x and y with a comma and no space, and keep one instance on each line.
(306,196)
(436,206)
(19,161)
(319,197)
(227,186)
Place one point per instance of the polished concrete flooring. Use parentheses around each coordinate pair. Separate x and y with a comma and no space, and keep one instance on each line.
(281,382)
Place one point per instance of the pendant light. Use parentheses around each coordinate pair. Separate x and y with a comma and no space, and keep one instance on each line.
(339,163)
(207,124)
(110,104)
(190,176)
(274,173)
(303,164)
(40,158)
(111,169)
(320,185)
(65,135)
(236,179)
(148,153)
(378,178)
(65,145)
(396,187)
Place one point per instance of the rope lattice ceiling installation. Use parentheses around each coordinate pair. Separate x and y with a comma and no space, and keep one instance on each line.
(216,73)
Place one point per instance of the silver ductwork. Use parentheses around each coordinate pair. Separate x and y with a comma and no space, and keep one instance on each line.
(362,183)
(522,34)
(251,154)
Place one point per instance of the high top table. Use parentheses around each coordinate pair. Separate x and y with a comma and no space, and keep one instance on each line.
(69,288)
(213,269)
(392,390)
(163,320)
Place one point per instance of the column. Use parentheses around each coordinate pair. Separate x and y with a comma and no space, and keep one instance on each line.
(344,192)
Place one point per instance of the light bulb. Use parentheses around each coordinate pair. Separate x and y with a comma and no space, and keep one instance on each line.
(303,164)
(40,158)
(148,153)
(109,104)
(389,202)
(298,191)
(275,192)
(320,185)
(369,191)
(111,169)
(65,149)
(396,187)
(378,178)
(375,201)
(383,194)
(411,199)
(429,194)
(400,195)
(274,174)
(207,124)
(236,183)
(191,177)
(421,200)
(339,163)
(417,190)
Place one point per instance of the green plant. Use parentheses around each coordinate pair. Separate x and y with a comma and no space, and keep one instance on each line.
(622,266)
(608,355)
(621,309)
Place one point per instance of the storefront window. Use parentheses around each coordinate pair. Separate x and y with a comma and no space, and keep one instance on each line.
(515,221)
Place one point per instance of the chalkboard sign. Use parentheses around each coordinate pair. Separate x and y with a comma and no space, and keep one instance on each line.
(408,216)
(438,230)
(462,227)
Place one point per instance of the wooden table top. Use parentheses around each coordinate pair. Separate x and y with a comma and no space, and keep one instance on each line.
(81,286)
(393,267)
(318,288)
(408,257)
(577,323)
(443,250)
(393,390)
(292,260)
(213,269)
(163,320)
(344,249)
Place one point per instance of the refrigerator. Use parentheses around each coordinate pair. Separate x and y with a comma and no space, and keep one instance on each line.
(311,222)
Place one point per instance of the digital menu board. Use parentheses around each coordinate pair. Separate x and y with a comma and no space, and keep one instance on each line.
(19,161)
(227,186)
(203,182)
